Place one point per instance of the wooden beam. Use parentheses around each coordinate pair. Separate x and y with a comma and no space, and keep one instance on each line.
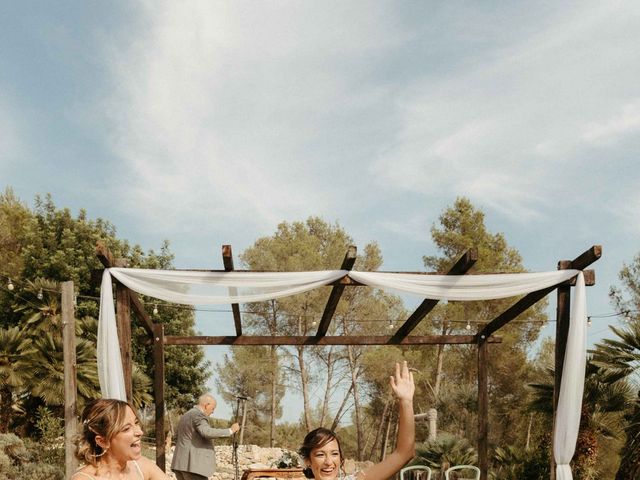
(483,410)
(227,260)
(123,322)
(583,260)
(138,307)
(158,393)
(462,266)
(336,293)
(245,340)
(587,257)
(513,311)
(70,377)
(104,255)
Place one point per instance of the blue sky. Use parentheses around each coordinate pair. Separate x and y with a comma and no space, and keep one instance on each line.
(207,122)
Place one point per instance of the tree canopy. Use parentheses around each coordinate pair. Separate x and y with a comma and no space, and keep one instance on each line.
(41,247)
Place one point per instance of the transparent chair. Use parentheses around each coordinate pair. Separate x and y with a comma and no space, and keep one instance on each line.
(418,469)
(467,468)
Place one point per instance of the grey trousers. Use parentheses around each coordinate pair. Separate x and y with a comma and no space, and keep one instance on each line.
(189,476)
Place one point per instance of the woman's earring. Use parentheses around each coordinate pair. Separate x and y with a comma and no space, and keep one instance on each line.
(104,450)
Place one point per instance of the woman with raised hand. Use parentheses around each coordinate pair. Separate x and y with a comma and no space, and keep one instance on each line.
(109,444)
(322,455)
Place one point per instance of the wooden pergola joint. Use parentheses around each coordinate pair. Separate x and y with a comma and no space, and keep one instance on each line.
(461,267)
(227,260)
(104,255)
(579,263)
(336,293)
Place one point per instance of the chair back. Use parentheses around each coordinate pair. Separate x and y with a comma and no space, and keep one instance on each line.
(449,471)
(418,470)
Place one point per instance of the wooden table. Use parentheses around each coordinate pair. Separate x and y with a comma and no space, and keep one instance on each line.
(273,472)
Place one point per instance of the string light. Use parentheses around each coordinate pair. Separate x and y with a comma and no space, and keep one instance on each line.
(468,327)
(589,322)
(155,309)
(390,324)
(10,285)
(314,323)
(40,295)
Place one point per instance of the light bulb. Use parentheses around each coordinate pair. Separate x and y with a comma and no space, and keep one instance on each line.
(589,321)
(39,295)
(313,323)
(390,324)
(155,309)
(468,327)
(10,285)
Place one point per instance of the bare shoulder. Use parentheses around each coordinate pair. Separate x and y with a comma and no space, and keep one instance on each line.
(150,470)
(84,473)
(360,475)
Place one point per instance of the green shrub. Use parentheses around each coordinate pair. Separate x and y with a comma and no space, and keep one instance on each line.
(41,471)
(51,429)
(13,448)
(6,465)
(27,459)
(447,450)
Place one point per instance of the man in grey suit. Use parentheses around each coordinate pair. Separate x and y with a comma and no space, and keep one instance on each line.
(194,457)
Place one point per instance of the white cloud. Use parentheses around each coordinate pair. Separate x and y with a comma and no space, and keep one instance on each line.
(251,113)
(626,122)
(218,108)
(626,209)
(12,146)
(509,130)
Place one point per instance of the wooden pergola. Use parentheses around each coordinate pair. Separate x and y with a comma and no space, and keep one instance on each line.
(128,300)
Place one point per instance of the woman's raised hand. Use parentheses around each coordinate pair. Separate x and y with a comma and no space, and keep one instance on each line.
(402,382)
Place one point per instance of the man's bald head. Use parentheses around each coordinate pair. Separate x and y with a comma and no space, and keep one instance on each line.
(207,403)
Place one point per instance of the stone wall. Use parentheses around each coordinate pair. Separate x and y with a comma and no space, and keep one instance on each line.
(252,456)
(249,456)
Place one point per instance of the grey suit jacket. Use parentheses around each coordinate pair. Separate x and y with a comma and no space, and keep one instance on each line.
(194,446)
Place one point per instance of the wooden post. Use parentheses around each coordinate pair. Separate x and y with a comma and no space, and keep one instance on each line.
(563,314)
(158,392)
(483,410)
(123,320)
(244,420)
(385,439)
(70,377)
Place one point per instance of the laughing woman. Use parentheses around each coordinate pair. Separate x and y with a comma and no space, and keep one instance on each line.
(322,455)
(109,444)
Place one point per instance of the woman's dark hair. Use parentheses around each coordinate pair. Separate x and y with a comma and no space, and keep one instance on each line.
(317,438)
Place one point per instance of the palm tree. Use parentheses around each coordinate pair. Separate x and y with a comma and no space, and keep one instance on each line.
(49,370)
(16,362)
(619,360)
(42,321)
(603,405)
(444,452)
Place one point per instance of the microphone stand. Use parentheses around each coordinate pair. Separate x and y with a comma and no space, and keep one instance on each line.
(239,400)
(235,442)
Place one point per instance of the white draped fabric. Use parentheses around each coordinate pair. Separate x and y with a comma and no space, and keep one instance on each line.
(214,288)
(464,287)
(567,419)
